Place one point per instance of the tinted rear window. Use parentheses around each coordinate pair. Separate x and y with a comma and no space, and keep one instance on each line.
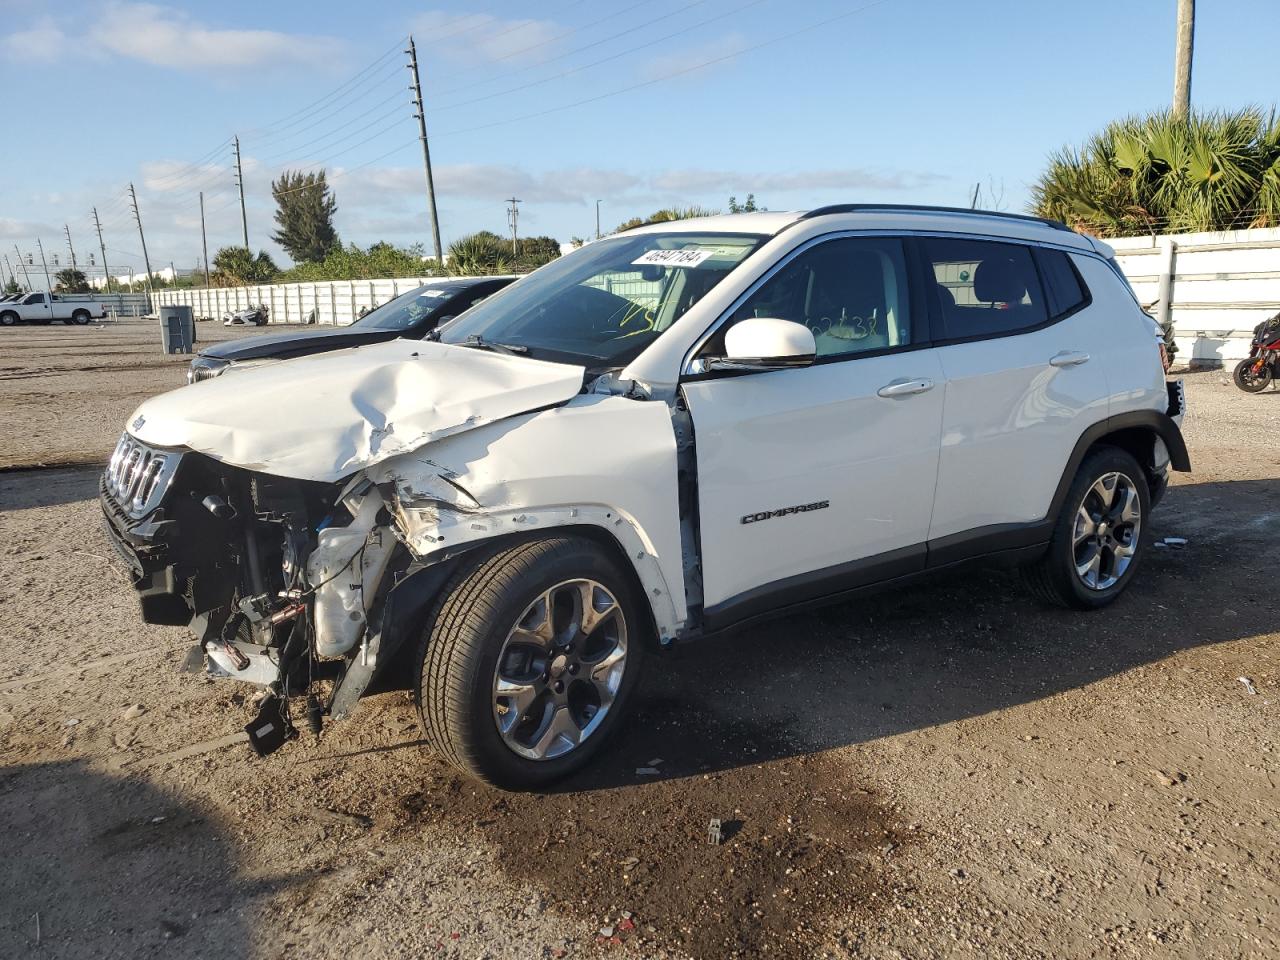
(985,288)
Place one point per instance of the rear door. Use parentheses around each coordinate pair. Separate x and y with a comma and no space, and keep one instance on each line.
(816,479)
(1016,343)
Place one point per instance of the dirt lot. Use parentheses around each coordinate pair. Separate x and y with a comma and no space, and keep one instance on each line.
(947,772)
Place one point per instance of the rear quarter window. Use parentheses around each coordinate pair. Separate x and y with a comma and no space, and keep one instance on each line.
(1064,288)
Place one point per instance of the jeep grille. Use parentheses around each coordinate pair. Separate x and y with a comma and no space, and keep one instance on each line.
(138,475)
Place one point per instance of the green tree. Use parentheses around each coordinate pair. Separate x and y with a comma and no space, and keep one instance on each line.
(237,266)
(11,286)
(304,214)
(354,263)
(481,253)
(70,280)
(1207,172)
(748,206)
(536,251)
(665,215)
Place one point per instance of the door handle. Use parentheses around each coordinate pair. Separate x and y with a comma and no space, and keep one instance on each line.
(904,388)
(1068,358)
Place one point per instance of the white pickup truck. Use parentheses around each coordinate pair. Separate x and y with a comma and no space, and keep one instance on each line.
(44,307)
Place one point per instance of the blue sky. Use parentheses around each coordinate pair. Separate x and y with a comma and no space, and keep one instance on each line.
(900,100)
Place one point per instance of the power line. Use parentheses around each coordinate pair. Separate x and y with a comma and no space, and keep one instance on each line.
(342,86)
(616,56)
(194,164)
(671,74)
(561,36)
(333,109)
(569,53)
(294,151)
(278,127)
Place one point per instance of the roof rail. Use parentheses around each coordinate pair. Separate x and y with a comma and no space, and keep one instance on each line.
(925,208)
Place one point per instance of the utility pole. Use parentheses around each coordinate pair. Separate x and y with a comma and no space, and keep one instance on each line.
(244,218)
(1182,59)
(23,264)
(597,219)
(513,217)
(49,283)
(146,261)
(420,111)
(106,271)
(204,241)
(66,228)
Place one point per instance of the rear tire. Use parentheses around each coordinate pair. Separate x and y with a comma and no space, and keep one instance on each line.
(1250,380)
(511,688)
(80,318)
(1100,536)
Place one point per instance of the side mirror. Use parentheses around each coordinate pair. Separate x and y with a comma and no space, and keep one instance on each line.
(765,343)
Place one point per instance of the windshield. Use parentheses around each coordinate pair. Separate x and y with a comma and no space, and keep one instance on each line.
(603,304)
(408,309)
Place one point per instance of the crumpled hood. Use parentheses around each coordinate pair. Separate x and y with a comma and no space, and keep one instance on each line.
(324,417)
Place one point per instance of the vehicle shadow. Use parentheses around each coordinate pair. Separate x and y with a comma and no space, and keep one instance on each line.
(27,489)
(967,644)
(98,866)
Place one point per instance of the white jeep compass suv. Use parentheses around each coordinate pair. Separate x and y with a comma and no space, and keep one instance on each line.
(665,434)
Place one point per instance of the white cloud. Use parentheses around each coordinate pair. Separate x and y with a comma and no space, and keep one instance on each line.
(163,37)
(483,37)
(169,38)
(43,41)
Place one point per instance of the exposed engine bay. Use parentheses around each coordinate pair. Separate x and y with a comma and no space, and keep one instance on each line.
(276,577)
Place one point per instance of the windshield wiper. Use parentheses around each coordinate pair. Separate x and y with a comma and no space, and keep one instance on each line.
(475,340)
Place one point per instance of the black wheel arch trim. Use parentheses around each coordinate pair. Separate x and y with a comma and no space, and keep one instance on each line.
(1160,424)
(409,600)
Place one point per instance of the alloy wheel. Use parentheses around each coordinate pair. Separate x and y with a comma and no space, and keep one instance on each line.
(560,669)
(1107,528)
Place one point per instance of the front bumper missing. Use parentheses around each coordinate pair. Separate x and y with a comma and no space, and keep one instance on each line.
(142,546)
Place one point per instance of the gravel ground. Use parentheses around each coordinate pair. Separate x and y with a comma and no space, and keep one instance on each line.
(950,771)
(74,387)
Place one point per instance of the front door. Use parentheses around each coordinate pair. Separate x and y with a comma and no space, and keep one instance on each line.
(818,479)
(37,308)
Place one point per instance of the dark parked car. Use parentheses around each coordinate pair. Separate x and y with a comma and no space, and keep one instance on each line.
(411,315)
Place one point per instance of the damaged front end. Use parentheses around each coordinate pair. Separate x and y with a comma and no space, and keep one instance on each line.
(278,578)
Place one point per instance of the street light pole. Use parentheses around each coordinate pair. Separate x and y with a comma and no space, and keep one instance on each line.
(597,219)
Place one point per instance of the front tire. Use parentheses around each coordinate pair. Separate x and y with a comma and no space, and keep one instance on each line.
(528,661)
(8,319)
(1252,376)
(1099,537)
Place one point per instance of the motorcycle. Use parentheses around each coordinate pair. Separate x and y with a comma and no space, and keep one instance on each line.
(1262,366)
(257,316)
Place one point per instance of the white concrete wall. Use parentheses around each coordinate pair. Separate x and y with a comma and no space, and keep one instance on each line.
(336,301)
(1224,284)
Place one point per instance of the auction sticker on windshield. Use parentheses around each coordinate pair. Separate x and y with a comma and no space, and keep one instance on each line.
(674,258)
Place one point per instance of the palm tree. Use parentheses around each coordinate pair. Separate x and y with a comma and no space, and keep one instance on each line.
(1210,171)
